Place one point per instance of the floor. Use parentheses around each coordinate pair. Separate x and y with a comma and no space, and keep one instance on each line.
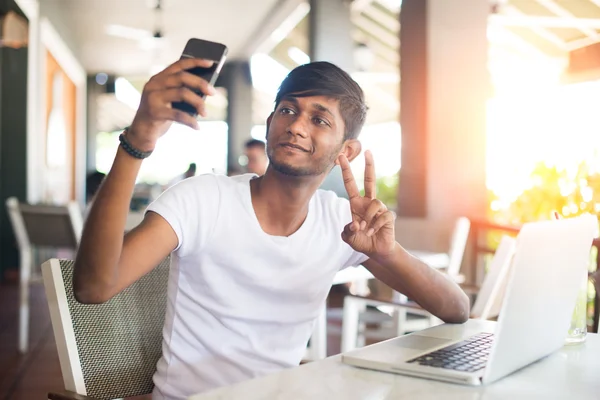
(32,376)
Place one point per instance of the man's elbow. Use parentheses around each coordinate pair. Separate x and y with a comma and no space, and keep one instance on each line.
(459,313)
(90,291)
(90,295)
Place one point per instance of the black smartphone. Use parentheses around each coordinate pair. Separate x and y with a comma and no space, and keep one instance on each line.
(198,48)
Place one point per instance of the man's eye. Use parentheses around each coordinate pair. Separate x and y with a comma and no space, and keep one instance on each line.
(286,110)
(320,121)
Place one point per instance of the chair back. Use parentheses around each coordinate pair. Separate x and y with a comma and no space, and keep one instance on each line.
(489,300)
(458,244)
(108,350)
(45,225)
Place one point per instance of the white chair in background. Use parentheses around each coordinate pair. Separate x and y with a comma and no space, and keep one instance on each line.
(487,304)
(410,318)
(452,260)
(36,226)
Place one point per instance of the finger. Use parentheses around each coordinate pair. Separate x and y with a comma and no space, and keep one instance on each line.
(370,190)
(185,64)
(379,222)
(376,207)
(186,95)
(191,81)
(349,181)
(182,117)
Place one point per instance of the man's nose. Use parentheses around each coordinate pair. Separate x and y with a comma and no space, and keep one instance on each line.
(299,127)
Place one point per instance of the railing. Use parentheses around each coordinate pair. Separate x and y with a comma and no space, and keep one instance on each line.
(477,248)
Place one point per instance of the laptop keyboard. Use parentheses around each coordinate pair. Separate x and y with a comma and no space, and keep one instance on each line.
(470,355)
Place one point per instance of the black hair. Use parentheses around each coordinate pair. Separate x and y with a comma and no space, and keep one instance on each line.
(322,78)
(255,143)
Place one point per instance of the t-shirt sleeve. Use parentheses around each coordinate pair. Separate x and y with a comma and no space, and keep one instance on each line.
(191,208)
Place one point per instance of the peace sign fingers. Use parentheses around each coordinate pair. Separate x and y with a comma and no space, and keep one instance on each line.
(349,181)
(370,191)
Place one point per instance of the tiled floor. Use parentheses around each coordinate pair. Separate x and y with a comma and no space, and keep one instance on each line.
(32,376)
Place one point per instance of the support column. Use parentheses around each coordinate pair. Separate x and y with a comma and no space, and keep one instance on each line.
(236,79)
(330,31)
(444,89)
(330,40)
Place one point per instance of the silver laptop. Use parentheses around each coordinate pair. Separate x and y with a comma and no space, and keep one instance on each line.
(549,265)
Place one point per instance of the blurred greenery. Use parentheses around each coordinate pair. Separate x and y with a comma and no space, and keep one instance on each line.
(387,190)
(571,193)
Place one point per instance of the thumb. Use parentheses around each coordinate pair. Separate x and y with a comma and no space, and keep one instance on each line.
(348,233)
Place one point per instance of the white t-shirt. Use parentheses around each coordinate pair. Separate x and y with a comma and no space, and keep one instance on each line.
(242,303)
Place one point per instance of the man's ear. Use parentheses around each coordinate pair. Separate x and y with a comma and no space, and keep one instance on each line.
(269,119)
(351,149)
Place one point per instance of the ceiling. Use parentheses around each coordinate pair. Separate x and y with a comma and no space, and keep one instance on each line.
(548,28)
(232,22)
(544,29)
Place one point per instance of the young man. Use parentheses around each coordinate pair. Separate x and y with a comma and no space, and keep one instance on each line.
(255,152)
(252,257)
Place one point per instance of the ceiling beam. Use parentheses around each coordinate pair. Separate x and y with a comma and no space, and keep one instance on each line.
(359,5)
(540,31)
(391,23)
(278,23)
(499,35)
(579,43)
(382,51)
(562,12)
(376,30)
(546,22)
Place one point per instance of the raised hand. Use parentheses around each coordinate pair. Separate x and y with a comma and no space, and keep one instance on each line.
(155,114)
(371,231)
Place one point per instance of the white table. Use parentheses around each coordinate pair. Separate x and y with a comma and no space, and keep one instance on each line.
(571,373)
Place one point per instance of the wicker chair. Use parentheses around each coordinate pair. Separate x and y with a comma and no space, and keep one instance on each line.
(110,350)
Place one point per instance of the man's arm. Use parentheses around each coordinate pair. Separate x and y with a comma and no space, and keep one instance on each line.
(431,289)
(372,232)
(107,261)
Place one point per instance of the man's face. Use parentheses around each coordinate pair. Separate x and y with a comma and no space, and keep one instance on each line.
(257,160)
(305,135)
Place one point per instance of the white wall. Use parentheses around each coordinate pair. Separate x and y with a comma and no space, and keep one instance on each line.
(43,35)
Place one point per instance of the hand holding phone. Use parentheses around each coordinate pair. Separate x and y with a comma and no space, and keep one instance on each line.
(176,94)
(203,49)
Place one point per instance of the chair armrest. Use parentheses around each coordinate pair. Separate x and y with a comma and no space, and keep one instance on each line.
(66,395)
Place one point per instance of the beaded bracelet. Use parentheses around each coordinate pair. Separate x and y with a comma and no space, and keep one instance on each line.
(132,151)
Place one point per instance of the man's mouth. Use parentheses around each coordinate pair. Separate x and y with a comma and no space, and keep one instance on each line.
(294,146)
